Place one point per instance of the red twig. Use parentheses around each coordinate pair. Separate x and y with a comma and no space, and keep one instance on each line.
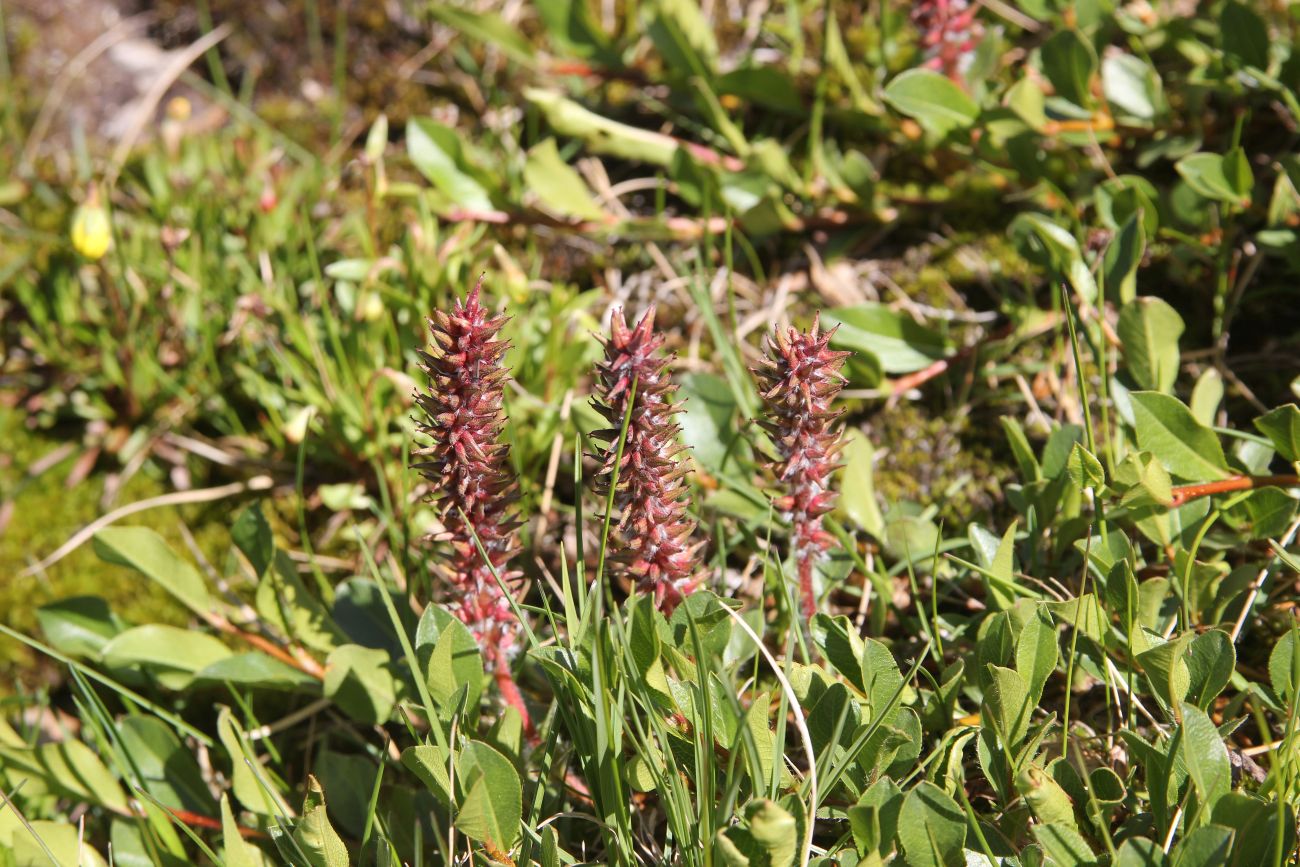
(914,380)
(198,820)
(1185,493)
(296,657)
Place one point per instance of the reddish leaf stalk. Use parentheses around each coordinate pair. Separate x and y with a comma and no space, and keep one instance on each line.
(1185,493)
(470,480)
(798,380)
(652,544)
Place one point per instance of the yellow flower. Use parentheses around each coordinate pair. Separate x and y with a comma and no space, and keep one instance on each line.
(92,233)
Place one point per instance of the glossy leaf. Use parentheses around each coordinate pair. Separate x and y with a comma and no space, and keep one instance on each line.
(901,345)
(1166,428)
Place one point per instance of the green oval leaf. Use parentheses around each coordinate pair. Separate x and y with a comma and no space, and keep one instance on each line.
(491,799)
(1166,428)
(148,553)
(939,105)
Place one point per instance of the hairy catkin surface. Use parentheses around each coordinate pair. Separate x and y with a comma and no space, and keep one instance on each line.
(798,380)
(653,544)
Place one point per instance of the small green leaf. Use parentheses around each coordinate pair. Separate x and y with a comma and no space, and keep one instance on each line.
(252,535)
(1207,846)
(1282,427)
(683,36)
(570,24)
(1084,469)
(315,835)
(881,679)
(1205,755)
(1207,395)
(1211,659)
(148,553)
(237,852)
(901,345)
(1131,85)
(79,625)
(68,768)
(1045,796)
(243,781)
(1026,99)
(1149,329)
(65,841)
(1139,852)
(932,828)
(254,668)
(774,830)
(710,427)
(1218,177)
(1085,614)
(1064,845)
(1261,829)
(436,151)
(452,658)
(559,189)
(934,101)
(359,680)
(1069,62)
(1144,481)
(429,763)
(176,653)
(1053,247)
(1245,35)
(284,602)
(857,488)
(1123,256)
(1166,428)
(1009,707)
(165,767)
(1037,652)
(488,28)
(1284,666)
(1166,667)
(491,802)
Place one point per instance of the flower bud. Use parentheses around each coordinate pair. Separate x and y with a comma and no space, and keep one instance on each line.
(92,231)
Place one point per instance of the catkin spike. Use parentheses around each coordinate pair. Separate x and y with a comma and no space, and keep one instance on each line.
(798,379)
(652,537)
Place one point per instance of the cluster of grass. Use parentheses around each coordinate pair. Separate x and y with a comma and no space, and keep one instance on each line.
(1057,626)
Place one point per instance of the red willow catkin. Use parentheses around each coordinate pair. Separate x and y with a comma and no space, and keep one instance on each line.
(652,543)
(949,34)
(798,380)
(470,481)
